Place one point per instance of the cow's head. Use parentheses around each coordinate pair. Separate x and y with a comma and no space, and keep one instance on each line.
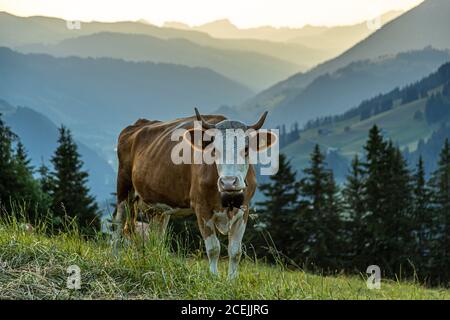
(231,144)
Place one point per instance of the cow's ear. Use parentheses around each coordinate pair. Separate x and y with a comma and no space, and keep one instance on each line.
(199,139)
(262,140)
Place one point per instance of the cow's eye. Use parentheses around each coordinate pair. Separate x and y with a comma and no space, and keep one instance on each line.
(244,152)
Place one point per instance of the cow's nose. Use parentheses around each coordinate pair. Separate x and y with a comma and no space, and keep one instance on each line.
(229,183)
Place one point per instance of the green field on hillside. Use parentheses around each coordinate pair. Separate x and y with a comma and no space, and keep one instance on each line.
(349,136)
(34,266)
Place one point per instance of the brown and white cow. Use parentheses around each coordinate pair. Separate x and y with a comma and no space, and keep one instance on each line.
(218,193)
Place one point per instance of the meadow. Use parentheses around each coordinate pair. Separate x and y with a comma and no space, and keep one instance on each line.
(34,265)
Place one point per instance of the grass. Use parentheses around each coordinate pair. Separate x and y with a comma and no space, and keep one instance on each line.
(398,124)
(34,266)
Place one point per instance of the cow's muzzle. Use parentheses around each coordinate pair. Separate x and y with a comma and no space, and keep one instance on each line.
(230,184)
(232,199)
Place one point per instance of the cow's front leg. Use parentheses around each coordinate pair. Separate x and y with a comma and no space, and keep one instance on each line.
(235,236)
(212,244)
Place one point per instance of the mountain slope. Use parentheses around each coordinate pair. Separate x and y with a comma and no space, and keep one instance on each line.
(340,38)
(40,135)
(401,114)
(99,97)
(348,86)
(425,25)
(254,70)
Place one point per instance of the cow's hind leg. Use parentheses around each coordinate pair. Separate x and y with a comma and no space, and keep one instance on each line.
(118,222)
(124,192)
(235,236)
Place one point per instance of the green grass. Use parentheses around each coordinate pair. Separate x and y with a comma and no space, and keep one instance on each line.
(398,123)
(34,266)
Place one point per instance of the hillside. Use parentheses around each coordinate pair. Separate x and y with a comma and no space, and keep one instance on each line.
(34,266)
(46,30)
(400,114)
(98,97)
(348,86)
(254,70)
(424,25)
(40,135)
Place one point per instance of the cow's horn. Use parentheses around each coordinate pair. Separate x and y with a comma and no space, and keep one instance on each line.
(260,122)
(205,124)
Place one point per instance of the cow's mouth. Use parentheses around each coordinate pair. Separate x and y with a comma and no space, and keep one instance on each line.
(234,199)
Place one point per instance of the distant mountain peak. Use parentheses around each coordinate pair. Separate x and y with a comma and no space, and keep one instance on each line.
(219,23)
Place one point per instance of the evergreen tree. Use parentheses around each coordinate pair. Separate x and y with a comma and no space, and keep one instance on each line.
(388,196)
(27,190)
(356,208)
(441,201)
(7,179)
(422,218)
(374,192)
(278,211)
(319,221)
(70,195)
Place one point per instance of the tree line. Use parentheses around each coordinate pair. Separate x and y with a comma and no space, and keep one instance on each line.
(385,214)
(57,195)
(437,103)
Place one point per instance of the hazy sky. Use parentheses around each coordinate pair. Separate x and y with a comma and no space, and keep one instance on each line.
(244,13)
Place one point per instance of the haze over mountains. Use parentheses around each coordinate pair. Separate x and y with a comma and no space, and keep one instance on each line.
(426,25)
(329,39)
(253,70)
(253,56)
(98,97)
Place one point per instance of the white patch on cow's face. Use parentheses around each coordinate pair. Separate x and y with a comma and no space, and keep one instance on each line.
(231,147)
(212,246)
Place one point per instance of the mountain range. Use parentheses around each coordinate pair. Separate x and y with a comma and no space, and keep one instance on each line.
(283,59)
(99,97)
(329,39)
(254,70)
(423,26)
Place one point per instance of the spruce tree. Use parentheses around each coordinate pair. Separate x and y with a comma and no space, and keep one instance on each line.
(356,209)
(388,197)
(7,179)
(441,202)
(27,189)
(422,218)
(70,195)
(278,211)
(320,215)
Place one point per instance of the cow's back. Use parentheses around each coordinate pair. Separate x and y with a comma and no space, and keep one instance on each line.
(145,164)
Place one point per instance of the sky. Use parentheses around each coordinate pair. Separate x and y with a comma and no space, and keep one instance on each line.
(243,13)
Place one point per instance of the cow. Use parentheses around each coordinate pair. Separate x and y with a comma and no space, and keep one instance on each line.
(219,194)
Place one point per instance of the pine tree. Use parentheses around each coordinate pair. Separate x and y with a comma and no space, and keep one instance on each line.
(278,211)
(356,208)
(399,217)
(320,215)
(7,179)
(70,195)
(388,197)
(441,201)
(375,173)
(422,218)
(27,189)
